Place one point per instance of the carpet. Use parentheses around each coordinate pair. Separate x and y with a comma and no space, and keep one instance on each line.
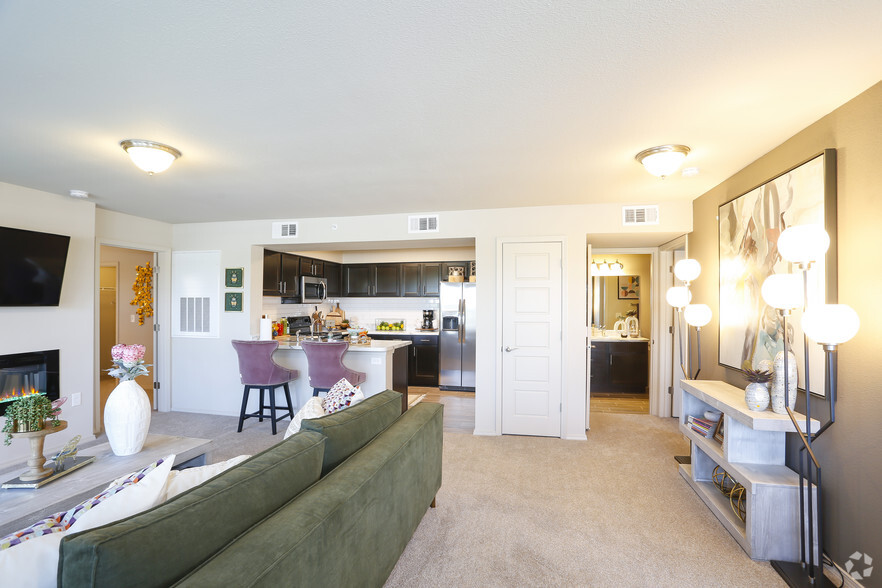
(612,511)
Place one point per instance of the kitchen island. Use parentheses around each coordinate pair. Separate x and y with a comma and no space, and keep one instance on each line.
(385,364)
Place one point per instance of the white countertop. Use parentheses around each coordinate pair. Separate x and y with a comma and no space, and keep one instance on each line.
(409,332)
(375,346)
(620,339)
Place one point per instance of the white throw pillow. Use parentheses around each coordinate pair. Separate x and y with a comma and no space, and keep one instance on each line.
(342,395)
(183,480)
(311,410)
(33,563)
(138,497)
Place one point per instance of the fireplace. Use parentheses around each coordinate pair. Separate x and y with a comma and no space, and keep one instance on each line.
(21,374)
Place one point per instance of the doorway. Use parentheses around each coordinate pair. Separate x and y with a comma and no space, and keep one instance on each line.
(118,319)
(621,320)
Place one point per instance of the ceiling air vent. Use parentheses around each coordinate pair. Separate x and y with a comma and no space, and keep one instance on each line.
(639,215)
(427,223)
(284,229)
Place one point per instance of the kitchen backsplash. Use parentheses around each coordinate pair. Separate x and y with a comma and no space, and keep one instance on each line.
(362,312)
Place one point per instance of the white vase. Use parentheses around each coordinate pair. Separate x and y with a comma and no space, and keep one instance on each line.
(756,395)
(127,418)
(777,392)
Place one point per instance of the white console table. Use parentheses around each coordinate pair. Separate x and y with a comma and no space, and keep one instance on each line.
(753,454)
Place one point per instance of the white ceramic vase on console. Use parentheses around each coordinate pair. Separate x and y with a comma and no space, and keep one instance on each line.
(756,395)
(127,418)
(777,392)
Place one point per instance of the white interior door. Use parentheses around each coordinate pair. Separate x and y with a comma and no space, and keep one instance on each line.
(531,338)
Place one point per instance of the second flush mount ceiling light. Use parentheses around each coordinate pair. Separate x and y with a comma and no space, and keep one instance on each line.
(150,156)
(663,160)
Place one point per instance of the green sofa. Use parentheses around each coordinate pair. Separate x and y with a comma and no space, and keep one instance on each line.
(333,505)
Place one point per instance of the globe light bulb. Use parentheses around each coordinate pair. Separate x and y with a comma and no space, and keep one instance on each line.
(830,324)
(783,291)
(697,315)
(678,296)
(687,270)
(803,244)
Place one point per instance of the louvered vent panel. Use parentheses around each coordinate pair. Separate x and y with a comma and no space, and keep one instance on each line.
(422,223)
(284,229)
(640,215)
(195,315)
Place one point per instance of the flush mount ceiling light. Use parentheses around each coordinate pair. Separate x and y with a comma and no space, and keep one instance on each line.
(150,156)
(663,160)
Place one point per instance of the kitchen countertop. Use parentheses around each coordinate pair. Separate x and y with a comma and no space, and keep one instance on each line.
(409,332)
(620,339)
(375,346)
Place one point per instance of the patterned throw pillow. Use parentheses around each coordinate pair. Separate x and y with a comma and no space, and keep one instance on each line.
(341,395)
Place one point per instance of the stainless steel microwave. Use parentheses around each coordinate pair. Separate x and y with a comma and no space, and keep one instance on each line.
(313,290)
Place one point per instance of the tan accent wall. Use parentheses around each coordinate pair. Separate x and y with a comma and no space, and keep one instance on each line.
(850,452)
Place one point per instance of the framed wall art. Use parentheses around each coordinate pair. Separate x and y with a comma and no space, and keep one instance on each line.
(233,302)
(629,288)
(233,277)
(750,331)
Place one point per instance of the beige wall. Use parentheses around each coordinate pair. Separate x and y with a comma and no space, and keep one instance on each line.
(635,264)
(850,452)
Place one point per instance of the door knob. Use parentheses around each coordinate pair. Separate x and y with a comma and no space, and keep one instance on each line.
(510,349)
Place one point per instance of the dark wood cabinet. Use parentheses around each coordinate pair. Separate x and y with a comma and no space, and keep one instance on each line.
(334,276)
(372,279)
(420,279)
(430,282)
(423,366)
(619,367)
(387,279)
(357,280)
(311,267)
(281,273)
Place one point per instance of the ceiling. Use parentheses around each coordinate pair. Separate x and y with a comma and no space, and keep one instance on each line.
(304,109)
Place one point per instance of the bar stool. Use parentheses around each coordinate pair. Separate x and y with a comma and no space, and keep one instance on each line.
(325,364)
(258,370)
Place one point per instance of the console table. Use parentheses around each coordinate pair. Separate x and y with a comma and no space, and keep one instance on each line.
(19,507)
(752,453)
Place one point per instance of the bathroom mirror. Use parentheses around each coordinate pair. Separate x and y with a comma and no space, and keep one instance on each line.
(614,296)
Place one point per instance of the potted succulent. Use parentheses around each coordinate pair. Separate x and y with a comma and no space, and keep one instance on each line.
(756,395)
(30,413)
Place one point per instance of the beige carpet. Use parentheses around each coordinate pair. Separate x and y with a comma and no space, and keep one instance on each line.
(526,511)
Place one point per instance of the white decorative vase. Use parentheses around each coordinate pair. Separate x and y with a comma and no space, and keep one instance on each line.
(756,395)
(777,392)
(127,418)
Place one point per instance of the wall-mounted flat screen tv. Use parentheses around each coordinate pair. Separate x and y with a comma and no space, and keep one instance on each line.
(31,267)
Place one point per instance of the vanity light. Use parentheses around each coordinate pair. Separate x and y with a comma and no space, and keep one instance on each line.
(687,270)
(678,296)
(783,291)
(697,315)
(663,160)
(150,156)
(803,244)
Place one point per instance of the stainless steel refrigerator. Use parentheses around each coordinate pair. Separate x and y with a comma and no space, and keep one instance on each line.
(456,344)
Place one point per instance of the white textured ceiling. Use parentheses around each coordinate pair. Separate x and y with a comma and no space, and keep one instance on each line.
(290,109)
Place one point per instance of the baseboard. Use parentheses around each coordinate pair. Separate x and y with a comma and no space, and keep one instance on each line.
(485,433)
(837,574)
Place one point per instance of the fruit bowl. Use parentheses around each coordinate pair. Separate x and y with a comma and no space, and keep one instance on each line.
(390,325)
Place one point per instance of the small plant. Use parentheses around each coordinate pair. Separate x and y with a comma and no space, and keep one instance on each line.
(758,376)
(129,362)
(30,414)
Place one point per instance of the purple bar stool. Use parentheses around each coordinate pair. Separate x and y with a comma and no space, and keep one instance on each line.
(258,370)
(325,364)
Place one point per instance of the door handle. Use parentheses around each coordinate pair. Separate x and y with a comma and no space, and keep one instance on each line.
(510,349)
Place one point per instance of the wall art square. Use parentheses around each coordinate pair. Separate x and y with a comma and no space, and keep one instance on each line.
(629,288)
(750,331)
(233,277)
(233,302)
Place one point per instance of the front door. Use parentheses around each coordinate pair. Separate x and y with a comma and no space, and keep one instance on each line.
(531,338)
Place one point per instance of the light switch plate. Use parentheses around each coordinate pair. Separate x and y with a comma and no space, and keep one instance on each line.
(376,361)
(75,399)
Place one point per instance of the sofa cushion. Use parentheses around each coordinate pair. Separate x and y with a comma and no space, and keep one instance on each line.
(351,429)
(159,546)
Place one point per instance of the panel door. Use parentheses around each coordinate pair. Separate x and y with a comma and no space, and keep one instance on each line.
(531,338)
(334,276)
(357,280)
(411,279)
(290,275)
(272,273)
(431,279)
(387,279)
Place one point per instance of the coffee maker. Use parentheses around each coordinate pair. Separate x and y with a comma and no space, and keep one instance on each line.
(428,320)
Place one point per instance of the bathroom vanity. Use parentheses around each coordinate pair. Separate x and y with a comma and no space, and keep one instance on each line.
(619,365)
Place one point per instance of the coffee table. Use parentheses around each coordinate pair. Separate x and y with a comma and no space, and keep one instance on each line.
(19,507)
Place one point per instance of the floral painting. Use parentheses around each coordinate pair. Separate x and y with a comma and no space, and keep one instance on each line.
(629,287)
(750,331)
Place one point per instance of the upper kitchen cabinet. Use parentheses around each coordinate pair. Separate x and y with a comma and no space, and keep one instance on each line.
(420,279)
(280,273)
(368,279)
(334,276)
(311,267)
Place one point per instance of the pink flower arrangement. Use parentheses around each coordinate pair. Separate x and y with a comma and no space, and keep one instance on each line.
(128,361)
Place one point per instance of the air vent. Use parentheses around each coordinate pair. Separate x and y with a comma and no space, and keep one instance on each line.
(284,229)
(195,315)
(639,215)
(422,223)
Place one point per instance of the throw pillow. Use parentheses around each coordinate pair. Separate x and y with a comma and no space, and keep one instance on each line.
(341,395)
(32,564)
(311,410)
(183,480)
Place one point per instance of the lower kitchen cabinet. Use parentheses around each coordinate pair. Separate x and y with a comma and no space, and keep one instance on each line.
(620,367)
(423,370)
